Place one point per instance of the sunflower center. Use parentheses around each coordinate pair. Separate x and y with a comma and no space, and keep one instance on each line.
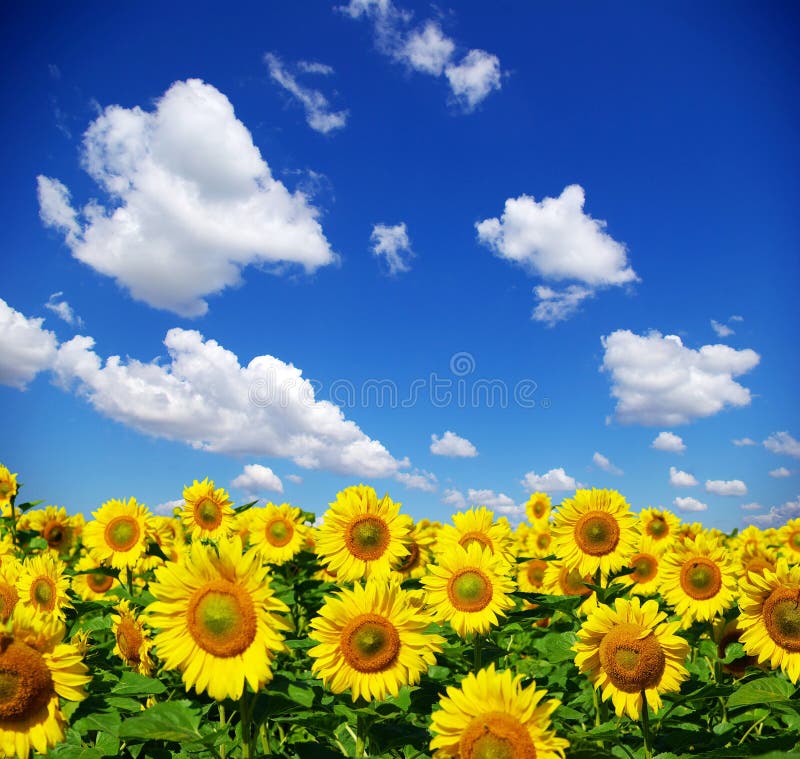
(25,682)
(99,583)
(279,532)
(43,593)
(782,618)
(481,538)
(632,663)
(535,571)
(367,537)
(597,533)
(573,583)
(758,564)
(794,540)
(543,540)
(54,533)
(8,600)
(122,533)
(645,566)
(5,489)
(222,618)
(208,514)
(538,509)
(701,578)
(370,643)
(469,590)
(658,527)
(129,640)
(496,735)
(411,561)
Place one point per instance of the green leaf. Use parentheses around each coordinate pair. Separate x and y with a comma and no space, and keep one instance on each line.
(763,691)
(134,684)
(733,651)
(39,544)
(165,721)
(108,722)
(300,695)
(558,648)
(69,751)
(107,744)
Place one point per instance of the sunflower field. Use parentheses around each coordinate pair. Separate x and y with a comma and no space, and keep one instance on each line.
(221,631)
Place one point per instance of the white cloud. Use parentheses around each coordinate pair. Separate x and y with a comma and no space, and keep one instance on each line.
(751,506)
(314,67)
(726,487)
(736,318)
(555,240)
(779,514)
(781,471)
(604,464)
(474,78)
(558,305)
(454,498)
(205,398)
(680,479)
(689,504)
(742,441)
(428,50)
(668,441)
(499,502)
(554,481)
(393,245)
(168,507)
(25,347)
(722,330)
(295,478)
(657,380)
(419,479)
(783,442)
(63,310)
(319,114)
(192,202)
(452,445)
(257,479)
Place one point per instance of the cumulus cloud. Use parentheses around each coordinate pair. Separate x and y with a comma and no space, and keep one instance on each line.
(658,380)
(668,441)
(555,240)
(452,445)
(689,504)
(722,330)
(604,464)
(392,244)
(167,508)
(783,442)
(63,310)
(742,441)
(497,502)
(779,514)
(319,114)
(679,479)
(454,498)
(419,479)
(191,203)
(751,506)
(781,471)
(26,348)
(295,478)
(257,479)
(554,481)
(426,49)
(203,397)
(726,487)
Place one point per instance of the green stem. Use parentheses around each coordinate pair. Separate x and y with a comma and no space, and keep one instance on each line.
(222,723)
(750,729)
(596,701)
(361,737)
(476,662)
(265,744)
(245,716)
(130,582)
(646,734)
(14,524)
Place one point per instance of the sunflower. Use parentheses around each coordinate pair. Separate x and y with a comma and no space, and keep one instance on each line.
(372,640)
(629,651)
(92,585)
(54,525)
(8,489)
(36,669)
(595,531)
(530,576)
(789,541)
(362,536)
(119,532)
(726,634)
(698,579)
(477,525)
(660,525)
(413,565)
(9,596)
(469,588)
(538,508)
(492,715)
(42,584)
(217,618)
(757,560)
(277,532)
(207,511)
(560,580)
(132,640)
(750,540)
(769,617)
(646,564)
(538,542)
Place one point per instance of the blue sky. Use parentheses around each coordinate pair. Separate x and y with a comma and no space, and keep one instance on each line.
(563,196)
